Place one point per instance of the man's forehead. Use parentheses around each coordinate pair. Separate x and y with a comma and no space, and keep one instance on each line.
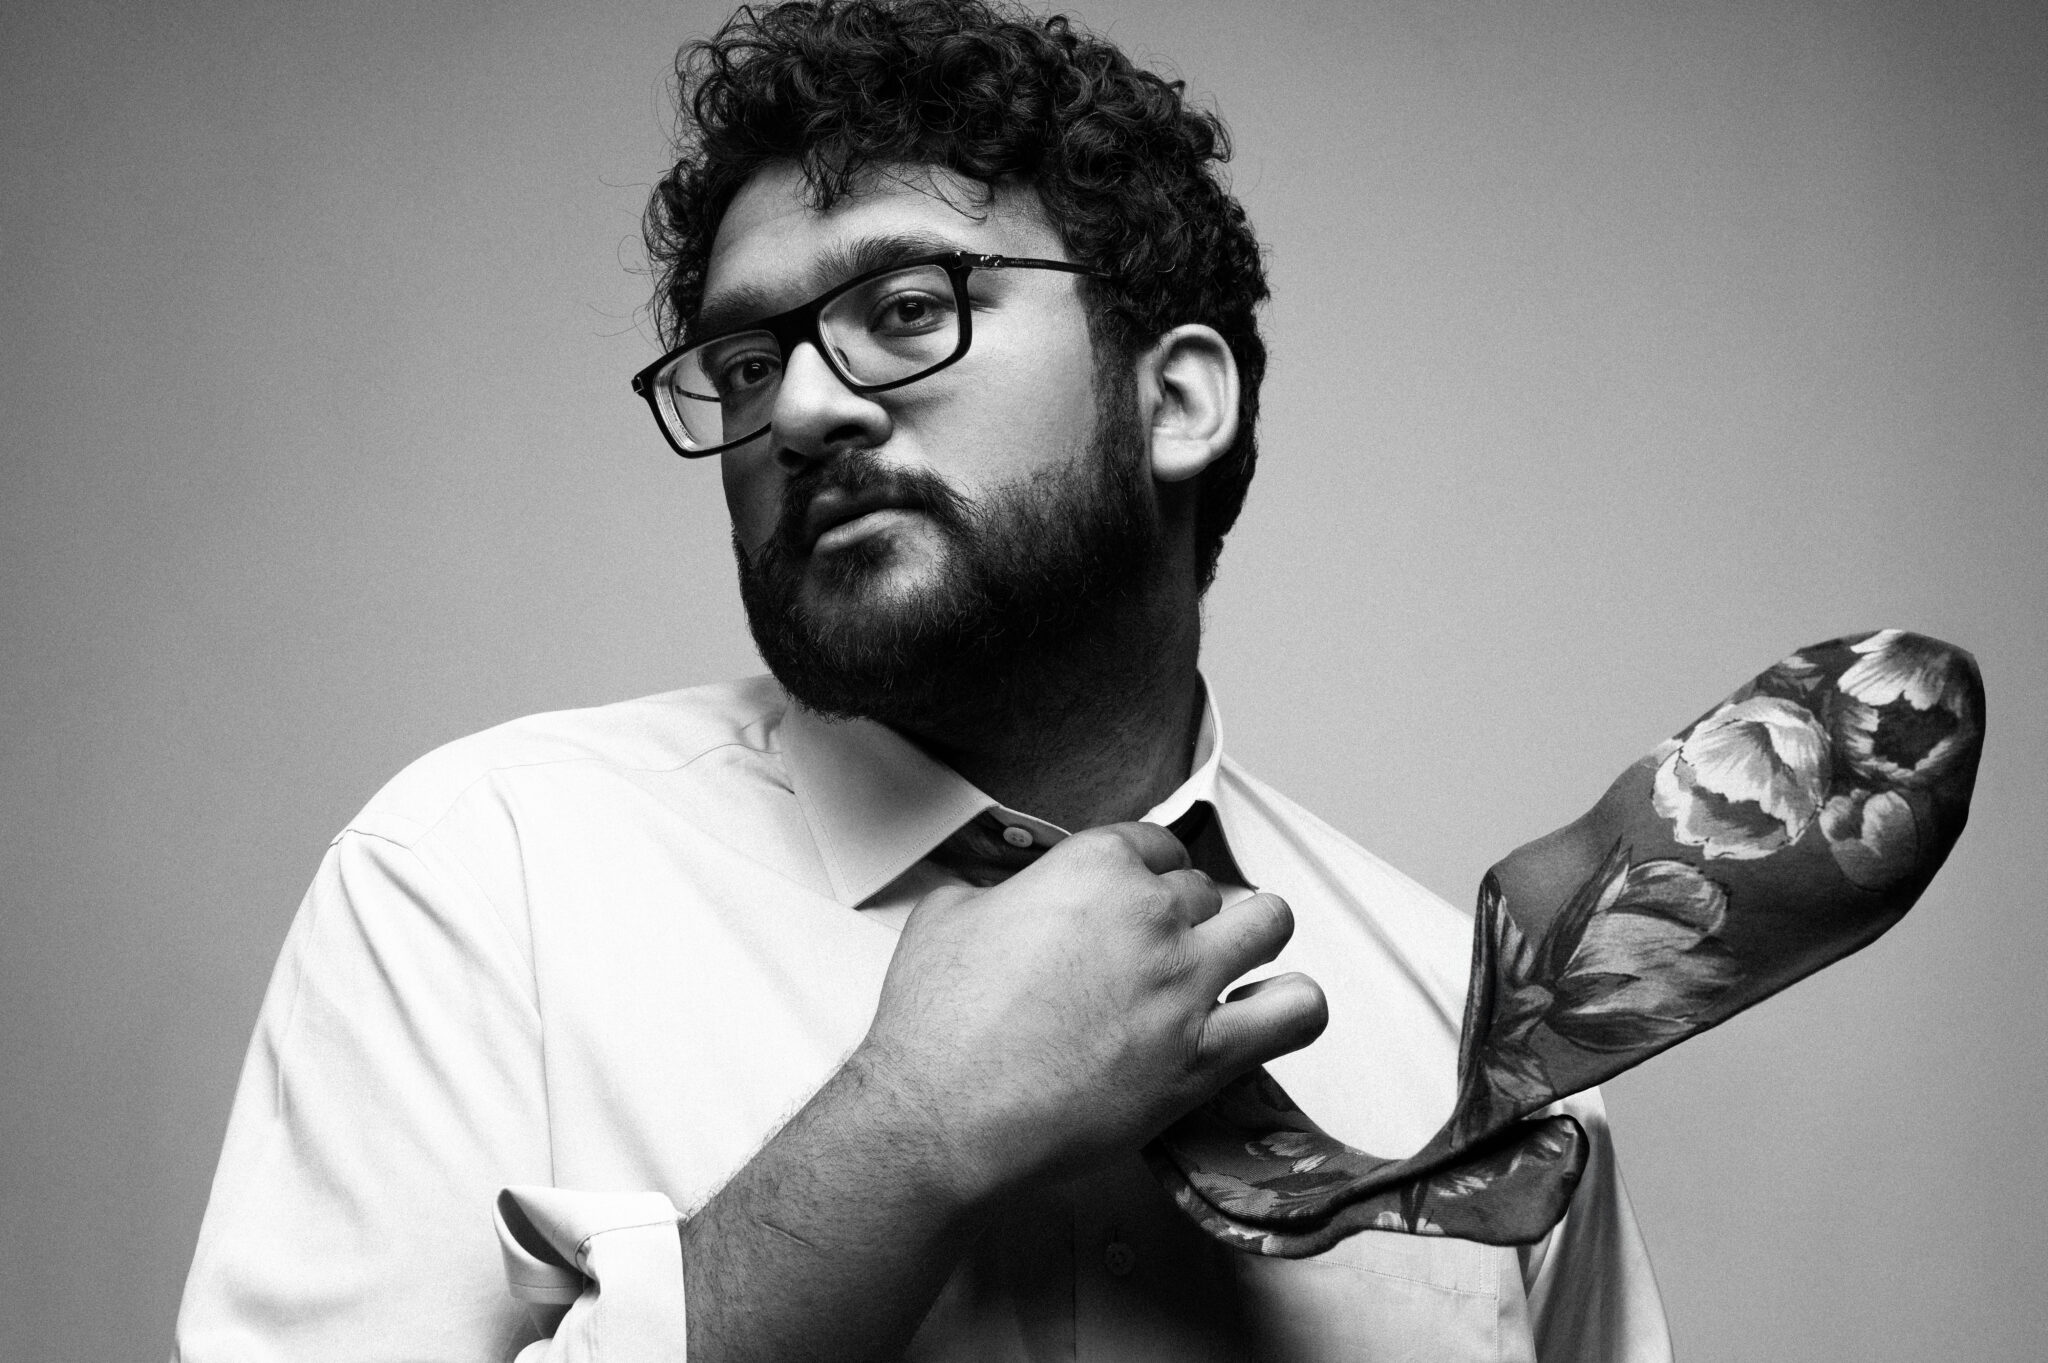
(775,239)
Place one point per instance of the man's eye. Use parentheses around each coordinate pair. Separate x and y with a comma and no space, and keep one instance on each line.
(743,371)
(909,313)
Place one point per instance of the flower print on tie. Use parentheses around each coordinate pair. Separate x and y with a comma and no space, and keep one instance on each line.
(1787,827)
(1636,954)
(1866,736)
(1747,780)
(1905,718)
(1904,710)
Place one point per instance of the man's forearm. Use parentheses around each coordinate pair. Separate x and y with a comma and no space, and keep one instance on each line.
(831,1242)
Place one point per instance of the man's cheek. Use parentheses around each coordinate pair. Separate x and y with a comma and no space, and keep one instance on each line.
(753,498)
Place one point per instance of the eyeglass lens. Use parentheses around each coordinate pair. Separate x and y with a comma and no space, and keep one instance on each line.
(881,331)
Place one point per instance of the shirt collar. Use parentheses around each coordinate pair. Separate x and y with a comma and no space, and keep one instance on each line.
(876,803)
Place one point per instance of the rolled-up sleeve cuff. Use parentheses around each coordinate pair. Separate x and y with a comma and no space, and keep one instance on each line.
(561,1246)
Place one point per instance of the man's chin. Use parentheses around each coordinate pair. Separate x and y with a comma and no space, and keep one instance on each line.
(877,574)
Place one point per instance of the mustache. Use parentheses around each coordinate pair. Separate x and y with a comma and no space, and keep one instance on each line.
(862,473)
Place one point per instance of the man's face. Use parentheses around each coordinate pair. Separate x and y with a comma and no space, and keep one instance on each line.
(898,547)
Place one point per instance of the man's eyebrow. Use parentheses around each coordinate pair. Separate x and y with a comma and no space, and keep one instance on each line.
(743,303)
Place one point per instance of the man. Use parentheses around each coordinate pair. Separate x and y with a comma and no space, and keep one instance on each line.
(786,1019)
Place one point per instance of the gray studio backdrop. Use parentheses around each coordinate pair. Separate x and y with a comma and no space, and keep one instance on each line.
(1619,348)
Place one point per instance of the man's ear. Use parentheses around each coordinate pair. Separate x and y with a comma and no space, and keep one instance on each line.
(1187,399)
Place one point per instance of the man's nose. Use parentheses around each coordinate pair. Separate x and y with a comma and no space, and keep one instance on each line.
(817,415)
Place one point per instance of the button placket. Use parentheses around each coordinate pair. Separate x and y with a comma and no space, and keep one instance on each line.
(1119,1255)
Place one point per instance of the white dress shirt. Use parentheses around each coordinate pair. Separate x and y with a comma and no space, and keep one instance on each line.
(575,970)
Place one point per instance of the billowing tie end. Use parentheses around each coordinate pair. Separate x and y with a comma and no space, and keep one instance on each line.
(1787,827)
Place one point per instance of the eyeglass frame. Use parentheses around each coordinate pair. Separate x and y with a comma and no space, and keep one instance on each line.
(801,323)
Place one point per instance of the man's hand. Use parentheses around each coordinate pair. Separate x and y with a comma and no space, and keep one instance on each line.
(1068,1015)
(1024,1032)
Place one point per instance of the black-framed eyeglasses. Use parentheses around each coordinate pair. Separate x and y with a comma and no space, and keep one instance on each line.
(877,331)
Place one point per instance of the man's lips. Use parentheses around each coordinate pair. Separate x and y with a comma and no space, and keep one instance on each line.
(835,507)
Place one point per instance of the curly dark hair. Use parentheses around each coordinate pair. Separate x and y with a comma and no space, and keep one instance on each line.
(1128,171)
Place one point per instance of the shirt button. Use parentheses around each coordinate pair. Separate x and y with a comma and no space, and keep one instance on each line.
(1119,1258)
(1017,837)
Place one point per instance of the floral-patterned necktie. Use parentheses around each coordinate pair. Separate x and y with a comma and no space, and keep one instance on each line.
(1789,826)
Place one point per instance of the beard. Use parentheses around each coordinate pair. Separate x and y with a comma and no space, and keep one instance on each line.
(1038,593)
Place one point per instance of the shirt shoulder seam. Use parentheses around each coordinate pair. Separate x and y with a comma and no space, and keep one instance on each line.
(405,829)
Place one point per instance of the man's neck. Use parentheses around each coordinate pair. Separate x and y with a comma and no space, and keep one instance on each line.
(1107,738)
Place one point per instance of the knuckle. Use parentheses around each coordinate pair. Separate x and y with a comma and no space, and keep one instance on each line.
(1100,847)
(1192,890)
(1170,966)
(1209,1042)
(1143,838)
(1126,835)
(943,899)
(1152,903)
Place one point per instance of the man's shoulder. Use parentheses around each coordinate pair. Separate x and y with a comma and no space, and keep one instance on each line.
(666,732)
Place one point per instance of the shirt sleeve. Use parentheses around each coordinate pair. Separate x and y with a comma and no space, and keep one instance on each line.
(614,1259)
(394,1086)
(1592,1295)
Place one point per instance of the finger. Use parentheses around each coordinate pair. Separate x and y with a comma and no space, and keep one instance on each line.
(1194,894)
(1156,847)
(1260,1021)
(1240,938)
(938,901)
(1249,988)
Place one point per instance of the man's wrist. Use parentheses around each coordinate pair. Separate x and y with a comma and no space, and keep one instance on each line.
(921,1128)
